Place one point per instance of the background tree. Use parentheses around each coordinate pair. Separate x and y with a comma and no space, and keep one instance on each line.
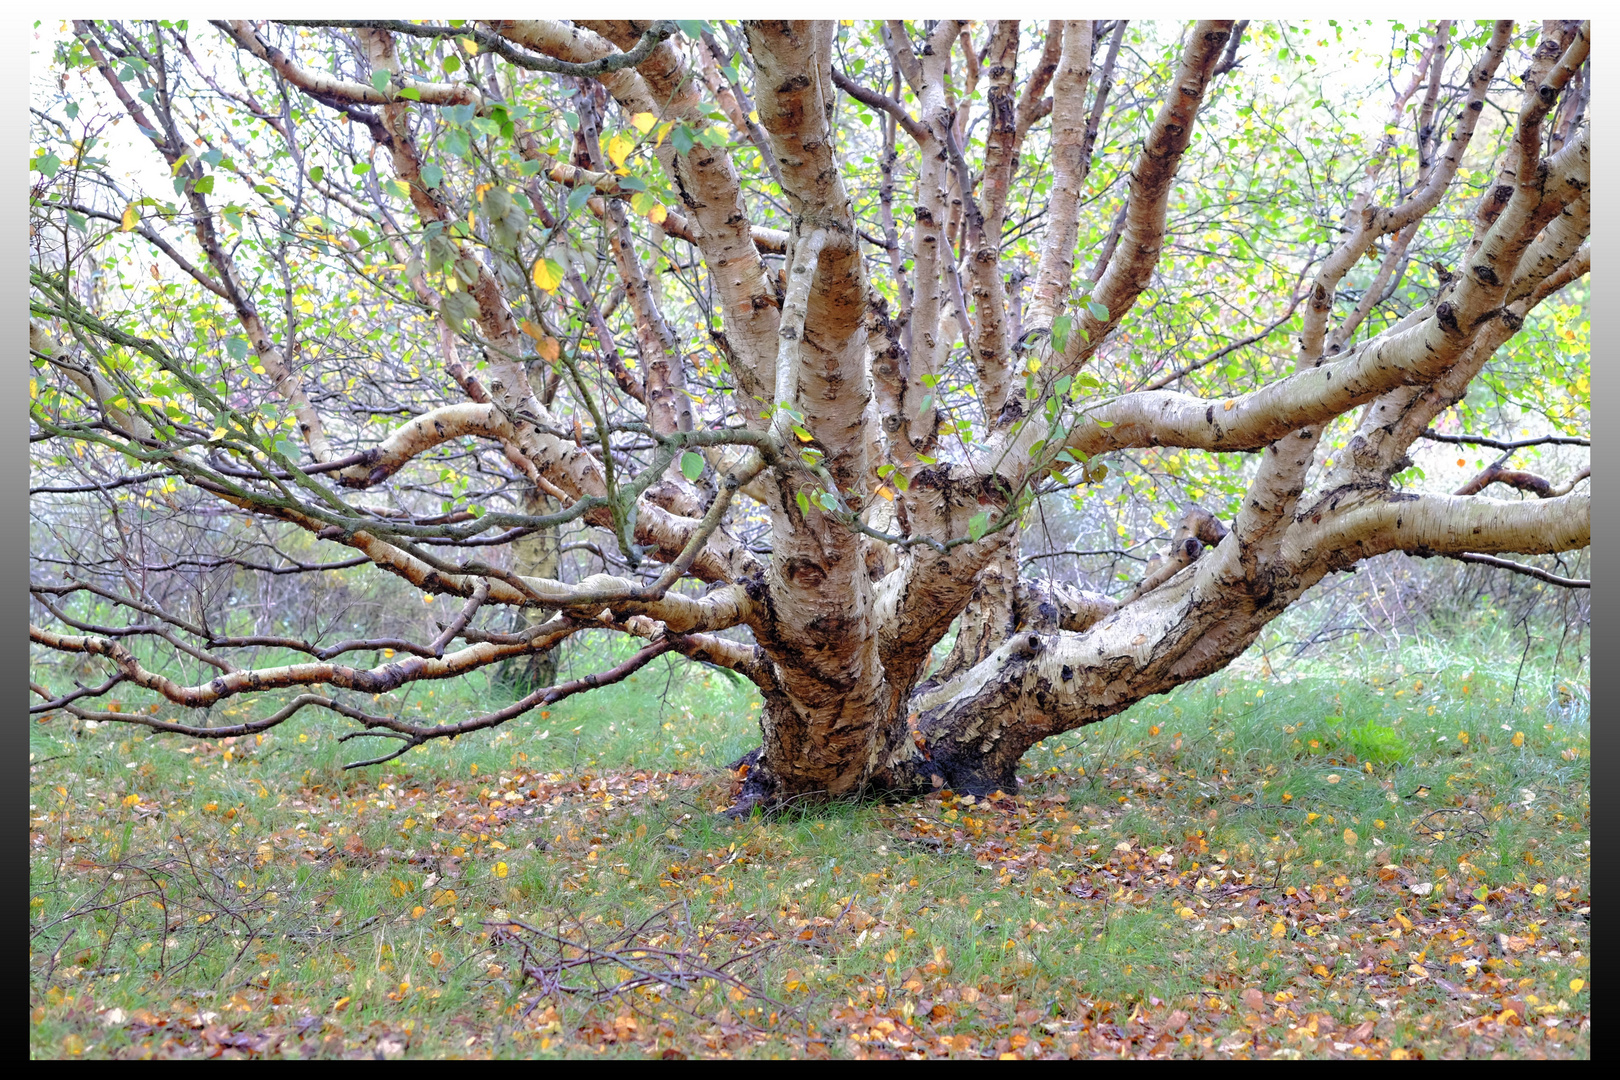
(801,332)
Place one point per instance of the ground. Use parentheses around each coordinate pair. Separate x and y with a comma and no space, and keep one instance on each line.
(1389,863)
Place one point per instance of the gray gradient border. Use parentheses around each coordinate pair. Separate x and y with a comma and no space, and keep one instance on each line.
(1605,402)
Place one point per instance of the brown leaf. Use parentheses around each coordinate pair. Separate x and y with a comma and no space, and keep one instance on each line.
(1254,999)
(1175,1021)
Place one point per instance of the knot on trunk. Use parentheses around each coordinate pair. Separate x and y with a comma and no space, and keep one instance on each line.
(1026,645)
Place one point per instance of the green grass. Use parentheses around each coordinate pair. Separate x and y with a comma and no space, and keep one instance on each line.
(1302,838)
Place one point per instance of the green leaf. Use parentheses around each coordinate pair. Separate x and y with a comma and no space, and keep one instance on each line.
(379,79)
(692,28)
(827,499)
(578,198)
(467,269)
(411,93)
(1097,310)
(432,176)
(928,399)
(692,465)
(317,174)
(1061,327)
(682,139)
(236,346)
(927,460)
(451,63)
(48,164)
(804,503)
(978,525)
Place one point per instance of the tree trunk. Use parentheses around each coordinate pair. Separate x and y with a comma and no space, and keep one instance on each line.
(535,555)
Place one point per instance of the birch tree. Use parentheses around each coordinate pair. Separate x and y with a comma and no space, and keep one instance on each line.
(792,329)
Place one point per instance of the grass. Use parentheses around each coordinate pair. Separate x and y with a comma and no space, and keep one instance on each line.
(1389,864)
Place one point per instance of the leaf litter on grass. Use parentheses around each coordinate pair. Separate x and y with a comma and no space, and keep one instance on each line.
(1201,882)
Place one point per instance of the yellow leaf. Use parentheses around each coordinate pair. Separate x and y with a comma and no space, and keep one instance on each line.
(131,800)
(547,274)
(340,1004)
(1518,738)
(657,214)
(618,148)
(663,131)
(1278,929)
(500,869)
(884,492)
(643,121)
(1576,985)
(1350,837)
(129,220)
(469,46)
